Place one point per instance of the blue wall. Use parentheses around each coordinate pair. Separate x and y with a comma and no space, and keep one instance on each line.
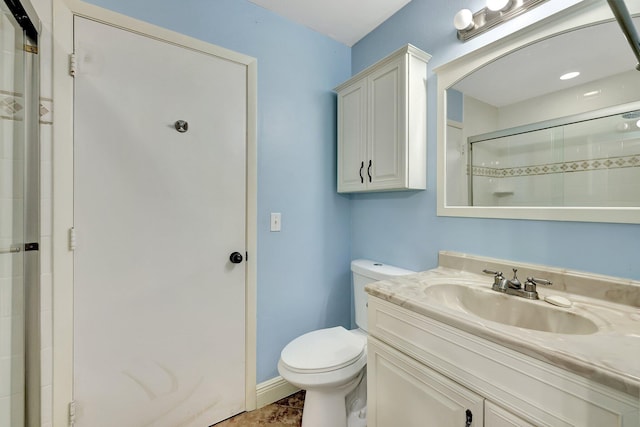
(403,228)
(303,271)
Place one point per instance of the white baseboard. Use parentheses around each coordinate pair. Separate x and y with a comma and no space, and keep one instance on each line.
(273,390)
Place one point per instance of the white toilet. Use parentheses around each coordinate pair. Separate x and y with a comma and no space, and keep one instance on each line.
(331,363)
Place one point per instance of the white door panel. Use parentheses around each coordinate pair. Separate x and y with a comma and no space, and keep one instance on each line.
(159,309)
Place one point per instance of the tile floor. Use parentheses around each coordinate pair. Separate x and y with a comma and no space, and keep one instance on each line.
(283,413)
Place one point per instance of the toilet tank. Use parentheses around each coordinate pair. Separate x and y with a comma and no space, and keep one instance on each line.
(366,271)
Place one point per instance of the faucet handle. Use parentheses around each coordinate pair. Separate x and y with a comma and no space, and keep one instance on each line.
(499,282)
(495,273)
(540,281)
(530,284)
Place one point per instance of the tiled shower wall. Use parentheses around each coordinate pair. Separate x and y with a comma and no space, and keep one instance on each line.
(551,168)
(583,164)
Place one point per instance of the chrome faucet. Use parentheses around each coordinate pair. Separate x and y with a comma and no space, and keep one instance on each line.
(514,286)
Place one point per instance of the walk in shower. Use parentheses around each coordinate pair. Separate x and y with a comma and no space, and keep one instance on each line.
(19,217)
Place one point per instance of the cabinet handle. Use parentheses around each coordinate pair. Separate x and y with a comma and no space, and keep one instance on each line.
(361,166)
(469,418)
(369,171)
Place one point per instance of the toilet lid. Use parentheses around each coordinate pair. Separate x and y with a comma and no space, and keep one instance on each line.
(324,349)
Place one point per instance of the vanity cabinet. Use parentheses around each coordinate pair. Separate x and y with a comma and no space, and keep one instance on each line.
(382,131)
(495,416)
(424,372)
(403,392)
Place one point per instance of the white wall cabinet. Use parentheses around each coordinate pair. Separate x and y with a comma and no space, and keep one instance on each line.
(422,372)
(382,130)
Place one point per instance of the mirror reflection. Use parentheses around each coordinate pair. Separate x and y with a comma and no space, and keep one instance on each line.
(554,124)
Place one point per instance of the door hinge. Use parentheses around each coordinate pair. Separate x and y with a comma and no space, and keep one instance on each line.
(29,48)
(72,412)
(72,239)
(73,65)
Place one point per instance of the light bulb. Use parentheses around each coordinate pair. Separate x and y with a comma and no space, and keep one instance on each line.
(463,20)
(496,5)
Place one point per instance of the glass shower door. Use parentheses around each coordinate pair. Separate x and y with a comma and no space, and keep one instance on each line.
(12,224)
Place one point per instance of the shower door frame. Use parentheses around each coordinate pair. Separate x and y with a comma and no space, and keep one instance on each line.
(63,187)
(26,18)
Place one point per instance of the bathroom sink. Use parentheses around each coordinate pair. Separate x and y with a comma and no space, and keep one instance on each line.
(510,310)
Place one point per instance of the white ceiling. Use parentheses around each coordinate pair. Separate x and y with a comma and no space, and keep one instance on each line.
(346,21)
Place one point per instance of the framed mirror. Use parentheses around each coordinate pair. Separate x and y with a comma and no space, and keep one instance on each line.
(543,124)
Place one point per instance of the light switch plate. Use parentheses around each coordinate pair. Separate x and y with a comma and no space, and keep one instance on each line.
(276,221)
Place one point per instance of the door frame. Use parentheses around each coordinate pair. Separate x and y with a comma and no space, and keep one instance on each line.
(63,137)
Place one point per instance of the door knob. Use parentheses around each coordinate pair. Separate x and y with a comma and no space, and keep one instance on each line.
(235,257)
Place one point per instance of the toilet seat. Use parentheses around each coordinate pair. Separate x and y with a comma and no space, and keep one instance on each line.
(323,350)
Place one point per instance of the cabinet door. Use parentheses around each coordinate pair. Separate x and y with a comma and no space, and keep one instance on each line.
(352,134)
(387,156)
(403,392)
(495,416)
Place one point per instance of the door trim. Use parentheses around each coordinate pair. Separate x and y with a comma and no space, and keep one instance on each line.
(63,13)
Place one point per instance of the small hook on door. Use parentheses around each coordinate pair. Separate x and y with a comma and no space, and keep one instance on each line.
(181,126)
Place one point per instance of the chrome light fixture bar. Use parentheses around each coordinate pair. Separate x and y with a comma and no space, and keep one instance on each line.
(495,13)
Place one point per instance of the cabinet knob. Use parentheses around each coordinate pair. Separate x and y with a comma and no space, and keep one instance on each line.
(369,171)
(361,167)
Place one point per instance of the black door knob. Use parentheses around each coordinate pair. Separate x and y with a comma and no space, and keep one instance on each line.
(235,257)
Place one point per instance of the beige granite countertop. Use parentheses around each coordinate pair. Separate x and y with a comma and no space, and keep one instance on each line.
(611,356)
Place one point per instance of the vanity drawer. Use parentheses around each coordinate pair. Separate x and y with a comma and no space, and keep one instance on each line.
(538,392)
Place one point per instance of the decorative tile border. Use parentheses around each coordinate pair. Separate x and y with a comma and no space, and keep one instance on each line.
(631,161)
(46,111)
(12,107)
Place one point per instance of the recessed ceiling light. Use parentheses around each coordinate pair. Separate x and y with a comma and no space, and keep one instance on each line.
(591,93)
(571,75)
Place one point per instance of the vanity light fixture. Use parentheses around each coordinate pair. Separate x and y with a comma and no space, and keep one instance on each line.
(496,12)
(463,20)
(498,5)
(569,76)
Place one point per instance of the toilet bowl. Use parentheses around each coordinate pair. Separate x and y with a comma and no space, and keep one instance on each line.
(330,364)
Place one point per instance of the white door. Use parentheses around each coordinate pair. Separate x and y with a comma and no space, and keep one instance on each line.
(159,309)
